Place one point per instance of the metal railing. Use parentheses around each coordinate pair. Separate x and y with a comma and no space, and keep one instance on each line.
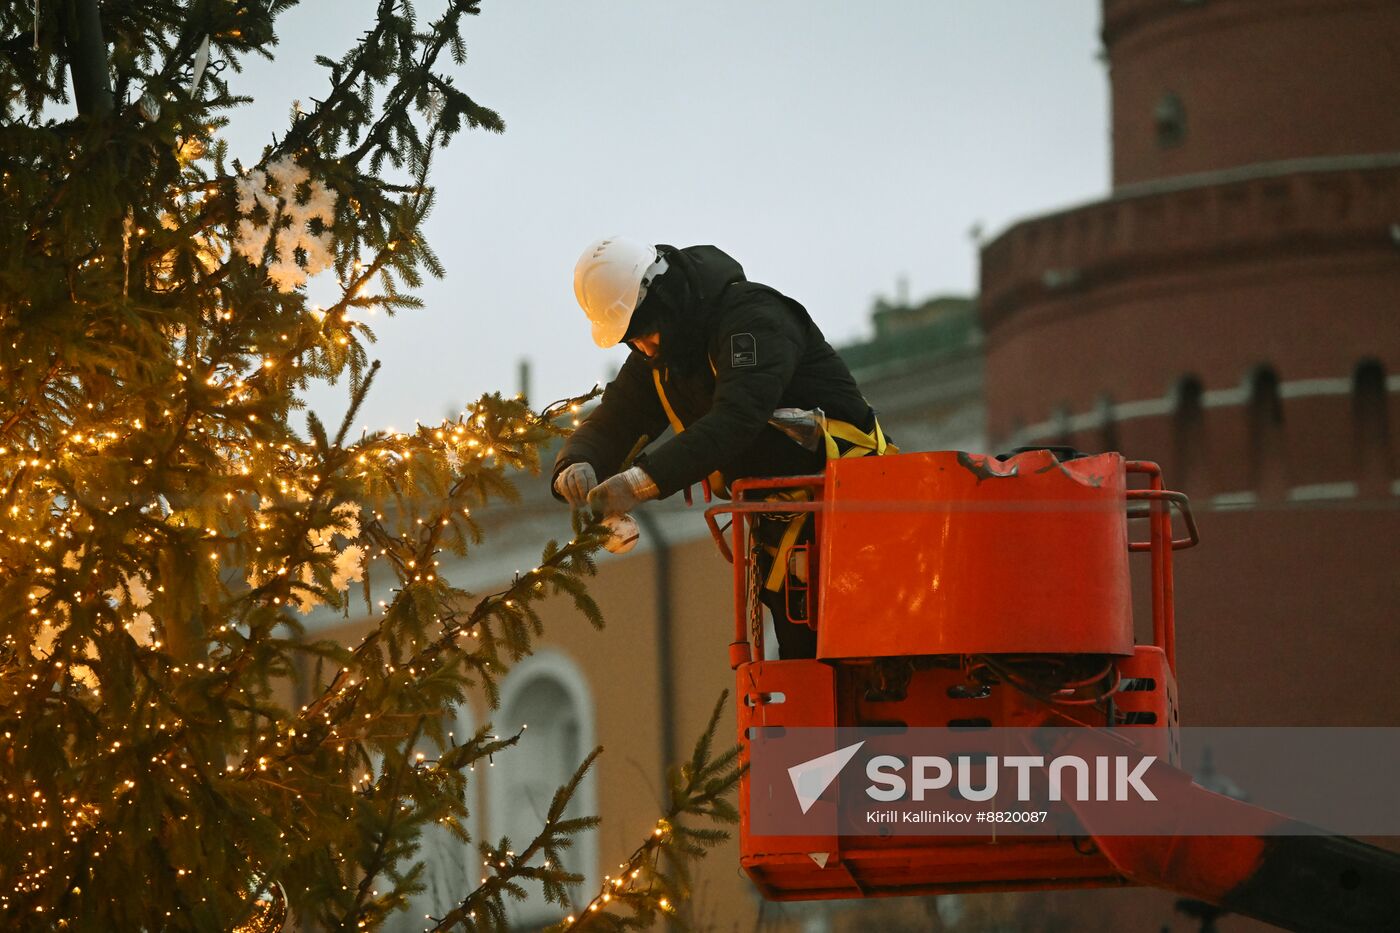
(1155,504)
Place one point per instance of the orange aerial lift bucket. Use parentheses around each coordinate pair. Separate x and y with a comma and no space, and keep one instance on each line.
(955,589)
(950,553)
(964,592)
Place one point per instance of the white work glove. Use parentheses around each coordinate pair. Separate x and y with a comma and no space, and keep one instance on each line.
(622,493)
(575,482)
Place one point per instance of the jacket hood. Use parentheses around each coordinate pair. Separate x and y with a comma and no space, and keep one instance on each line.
(681,301)
(707,268)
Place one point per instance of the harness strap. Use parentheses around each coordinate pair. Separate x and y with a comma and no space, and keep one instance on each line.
(715,480)
(862,445)
(778,571)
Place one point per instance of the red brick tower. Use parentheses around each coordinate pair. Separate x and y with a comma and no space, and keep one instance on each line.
(1232,310)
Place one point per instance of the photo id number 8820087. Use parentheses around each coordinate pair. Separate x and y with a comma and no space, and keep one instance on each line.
(1013,816)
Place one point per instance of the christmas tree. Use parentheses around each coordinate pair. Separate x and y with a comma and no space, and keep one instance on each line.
(169,513)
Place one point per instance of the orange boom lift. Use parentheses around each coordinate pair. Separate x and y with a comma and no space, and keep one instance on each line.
(954,589)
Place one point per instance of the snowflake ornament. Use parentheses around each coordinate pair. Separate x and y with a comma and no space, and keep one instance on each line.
(287,224)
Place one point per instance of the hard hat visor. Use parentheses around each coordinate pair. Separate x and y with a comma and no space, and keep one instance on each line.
(610,324)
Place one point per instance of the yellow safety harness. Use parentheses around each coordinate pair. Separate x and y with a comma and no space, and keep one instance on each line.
(715,480)
(861,445)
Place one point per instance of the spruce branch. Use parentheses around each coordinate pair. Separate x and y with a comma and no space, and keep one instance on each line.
(559,571)
(655,879)
(485,907)
(337,703)
(346,77)
(27,403)
(372,867)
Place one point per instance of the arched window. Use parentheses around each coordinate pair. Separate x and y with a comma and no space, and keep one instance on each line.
(1169,117)
(1188,435)
(547,694)
(1370,418)
(1267,451)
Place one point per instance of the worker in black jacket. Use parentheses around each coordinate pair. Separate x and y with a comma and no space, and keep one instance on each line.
(719,359)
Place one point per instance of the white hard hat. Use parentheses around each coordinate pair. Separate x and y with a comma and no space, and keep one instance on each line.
(609,282)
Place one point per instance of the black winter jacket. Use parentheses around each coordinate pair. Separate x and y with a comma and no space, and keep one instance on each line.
(762,352)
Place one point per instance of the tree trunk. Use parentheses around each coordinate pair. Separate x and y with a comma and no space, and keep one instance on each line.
(87,56)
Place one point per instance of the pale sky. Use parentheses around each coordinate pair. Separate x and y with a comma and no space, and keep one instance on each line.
(830,147)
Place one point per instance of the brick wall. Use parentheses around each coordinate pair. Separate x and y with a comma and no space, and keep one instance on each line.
(1255,81)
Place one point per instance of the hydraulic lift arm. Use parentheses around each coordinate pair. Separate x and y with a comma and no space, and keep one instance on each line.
(1285,873)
